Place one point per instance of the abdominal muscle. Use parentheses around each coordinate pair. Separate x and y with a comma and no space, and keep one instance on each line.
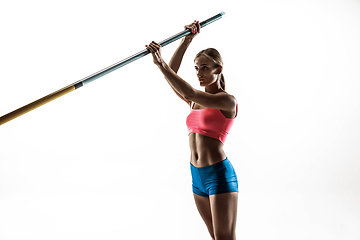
(205,150)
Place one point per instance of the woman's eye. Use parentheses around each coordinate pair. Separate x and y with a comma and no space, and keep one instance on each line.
(203,68)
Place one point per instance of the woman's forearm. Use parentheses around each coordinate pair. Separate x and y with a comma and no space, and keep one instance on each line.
(176,59)
(177,83)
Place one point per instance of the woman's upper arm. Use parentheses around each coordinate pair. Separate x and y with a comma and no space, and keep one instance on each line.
(222,100)
(179,95)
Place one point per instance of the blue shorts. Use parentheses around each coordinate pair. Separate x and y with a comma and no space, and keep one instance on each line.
(214,179)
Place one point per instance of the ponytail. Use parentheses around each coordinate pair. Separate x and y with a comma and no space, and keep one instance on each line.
(222,81)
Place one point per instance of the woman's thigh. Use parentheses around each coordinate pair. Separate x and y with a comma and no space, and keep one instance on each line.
(203,206)
(223,209)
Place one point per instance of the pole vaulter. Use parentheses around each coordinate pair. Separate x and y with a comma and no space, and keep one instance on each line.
(31,106)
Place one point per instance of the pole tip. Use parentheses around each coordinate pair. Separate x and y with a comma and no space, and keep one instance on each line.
(222,14)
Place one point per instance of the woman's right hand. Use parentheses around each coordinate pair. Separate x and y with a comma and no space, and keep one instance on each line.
(195,29)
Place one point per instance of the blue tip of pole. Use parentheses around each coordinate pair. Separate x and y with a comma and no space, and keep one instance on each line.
(222,14)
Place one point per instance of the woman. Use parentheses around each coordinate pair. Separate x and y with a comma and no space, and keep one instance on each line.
(215,186)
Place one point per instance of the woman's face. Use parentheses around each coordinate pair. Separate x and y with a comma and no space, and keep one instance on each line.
(206,70)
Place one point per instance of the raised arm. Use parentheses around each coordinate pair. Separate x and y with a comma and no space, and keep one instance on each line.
(176,59)
(220,100)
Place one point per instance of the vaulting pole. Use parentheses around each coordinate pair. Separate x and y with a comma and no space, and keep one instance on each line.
(31,106)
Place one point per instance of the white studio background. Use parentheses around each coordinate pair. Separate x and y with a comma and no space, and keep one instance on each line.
(111,160)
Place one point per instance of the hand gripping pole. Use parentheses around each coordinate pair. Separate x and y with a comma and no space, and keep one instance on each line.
(31,106)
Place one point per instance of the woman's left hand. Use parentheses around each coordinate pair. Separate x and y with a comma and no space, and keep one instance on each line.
(155,50)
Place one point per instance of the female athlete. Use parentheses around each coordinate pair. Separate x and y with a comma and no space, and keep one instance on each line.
(212,112)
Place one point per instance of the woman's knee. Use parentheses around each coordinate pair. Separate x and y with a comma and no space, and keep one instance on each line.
(223,235)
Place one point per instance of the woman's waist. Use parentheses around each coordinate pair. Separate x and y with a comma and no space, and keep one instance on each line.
(206,157)
(205,150)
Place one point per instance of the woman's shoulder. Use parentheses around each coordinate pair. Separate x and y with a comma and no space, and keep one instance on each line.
(228,94)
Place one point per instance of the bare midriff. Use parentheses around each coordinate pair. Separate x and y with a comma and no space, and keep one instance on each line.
(205,150)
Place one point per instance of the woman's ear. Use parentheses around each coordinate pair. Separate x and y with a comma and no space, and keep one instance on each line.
(219,70)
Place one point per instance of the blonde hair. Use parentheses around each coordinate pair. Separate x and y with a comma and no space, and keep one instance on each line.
(215,56)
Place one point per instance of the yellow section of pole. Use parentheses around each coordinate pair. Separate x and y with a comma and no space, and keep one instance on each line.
(31,106)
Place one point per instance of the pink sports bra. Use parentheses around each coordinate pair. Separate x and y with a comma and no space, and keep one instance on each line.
(209,122)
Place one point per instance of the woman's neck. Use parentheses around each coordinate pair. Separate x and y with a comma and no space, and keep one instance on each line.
(214,88)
